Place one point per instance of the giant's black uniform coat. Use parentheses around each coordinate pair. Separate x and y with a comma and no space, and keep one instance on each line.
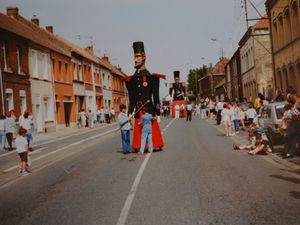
(179,91)
(143,86)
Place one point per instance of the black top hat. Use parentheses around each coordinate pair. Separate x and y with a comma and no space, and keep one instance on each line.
(138,47)
(176,74)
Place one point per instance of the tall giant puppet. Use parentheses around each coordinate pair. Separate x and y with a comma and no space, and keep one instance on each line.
(143,90)
(177,92)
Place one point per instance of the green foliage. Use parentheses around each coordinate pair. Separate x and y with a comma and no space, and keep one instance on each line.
(193,76)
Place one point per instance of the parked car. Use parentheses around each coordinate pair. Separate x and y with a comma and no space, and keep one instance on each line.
(271,120)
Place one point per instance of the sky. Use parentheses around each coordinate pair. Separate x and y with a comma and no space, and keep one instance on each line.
(177,34)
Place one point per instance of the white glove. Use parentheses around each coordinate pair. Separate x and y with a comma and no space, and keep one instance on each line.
(130,116)
(158,119)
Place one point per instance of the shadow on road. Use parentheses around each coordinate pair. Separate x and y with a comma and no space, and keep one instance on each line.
(293,180)
(295,194)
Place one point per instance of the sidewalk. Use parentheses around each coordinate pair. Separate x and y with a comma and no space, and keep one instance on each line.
(292,163)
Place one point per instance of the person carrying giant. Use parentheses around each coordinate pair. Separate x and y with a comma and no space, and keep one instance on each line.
(143,90)
(177,92)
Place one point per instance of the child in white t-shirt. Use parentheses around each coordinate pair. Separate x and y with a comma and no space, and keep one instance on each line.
(22,150)
(226,115)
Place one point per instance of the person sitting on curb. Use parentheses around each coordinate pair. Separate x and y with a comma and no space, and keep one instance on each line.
(252,142)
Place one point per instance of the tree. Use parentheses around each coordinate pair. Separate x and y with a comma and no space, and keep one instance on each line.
(193,77)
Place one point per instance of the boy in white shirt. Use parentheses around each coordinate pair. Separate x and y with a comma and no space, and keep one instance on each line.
(226,115)
(22,150)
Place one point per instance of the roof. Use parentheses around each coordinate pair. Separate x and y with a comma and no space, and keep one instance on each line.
(78,50)
(112,68)
(263,23)
(30,33)
(219,68)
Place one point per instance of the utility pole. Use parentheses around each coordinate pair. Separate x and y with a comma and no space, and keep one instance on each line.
(2,92)
(246,13)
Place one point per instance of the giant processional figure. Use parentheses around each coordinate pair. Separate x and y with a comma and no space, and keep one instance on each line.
(177,92)
(143,90)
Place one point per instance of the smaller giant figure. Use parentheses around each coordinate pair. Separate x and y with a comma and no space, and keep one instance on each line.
(177,93)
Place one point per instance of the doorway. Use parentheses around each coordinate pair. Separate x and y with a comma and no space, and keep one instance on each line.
(67,107)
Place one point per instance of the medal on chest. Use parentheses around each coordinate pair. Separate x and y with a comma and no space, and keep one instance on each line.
(145,83)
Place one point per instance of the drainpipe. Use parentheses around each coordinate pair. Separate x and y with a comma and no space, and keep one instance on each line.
(2,94)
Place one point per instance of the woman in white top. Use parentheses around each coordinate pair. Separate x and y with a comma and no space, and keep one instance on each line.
(2,132)
(26,124)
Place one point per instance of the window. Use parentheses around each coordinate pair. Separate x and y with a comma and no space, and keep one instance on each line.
(60,72)
(75,71)
(34,60)
(80,73)
(4,56)
(48,109)
(45,67)
(66,73)
(9,99)
(23,101)
(18,60)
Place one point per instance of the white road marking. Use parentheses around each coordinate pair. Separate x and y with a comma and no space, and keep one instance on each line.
(131,195)
(62,149)
(14,152)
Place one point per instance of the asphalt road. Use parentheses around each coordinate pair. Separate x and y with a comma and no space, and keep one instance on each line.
(196,179)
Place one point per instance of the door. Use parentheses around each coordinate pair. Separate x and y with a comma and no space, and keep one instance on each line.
(39,119)
(67,107)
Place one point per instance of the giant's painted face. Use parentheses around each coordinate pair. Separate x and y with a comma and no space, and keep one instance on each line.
(139,60)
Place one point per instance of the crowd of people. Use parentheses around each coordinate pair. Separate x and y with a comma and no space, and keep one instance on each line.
(87,119)
(22,134)
(239,116)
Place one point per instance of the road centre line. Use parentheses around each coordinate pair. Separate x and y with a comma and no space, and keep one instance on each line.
(63,148)
(126,208)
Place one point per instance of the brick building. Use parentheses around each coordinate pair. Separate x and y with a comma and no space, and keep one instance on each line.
(14,39)
(215,75)
(284,18)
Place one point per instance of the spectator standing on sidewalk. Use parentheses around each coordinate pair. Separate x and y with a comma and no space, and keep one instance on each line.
(189,109)
(112,114)
(9,129)
(107,116)
(236,117)
(102,115)
(177,111)
(219,108)
(226,115)
(251,114)
(22,150)
(26,124)
(279,97)
(293,129)
(2,132)
(124,122)
(83,118)
(242,118)
(91,118)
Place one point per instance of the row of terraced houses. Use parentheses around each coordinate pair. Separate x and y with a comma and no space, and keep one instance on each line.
(267,59)
(45,74)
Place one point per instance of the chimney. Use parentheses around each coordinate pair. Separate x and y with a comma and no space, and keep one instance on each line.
(105,58)
(119,68)
(12,11)
(35,20)
(49,29)
(90,50)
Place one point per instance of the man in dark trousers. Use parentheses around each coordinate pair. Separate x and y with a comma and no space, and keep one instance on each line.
(143,90)
(189,109)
